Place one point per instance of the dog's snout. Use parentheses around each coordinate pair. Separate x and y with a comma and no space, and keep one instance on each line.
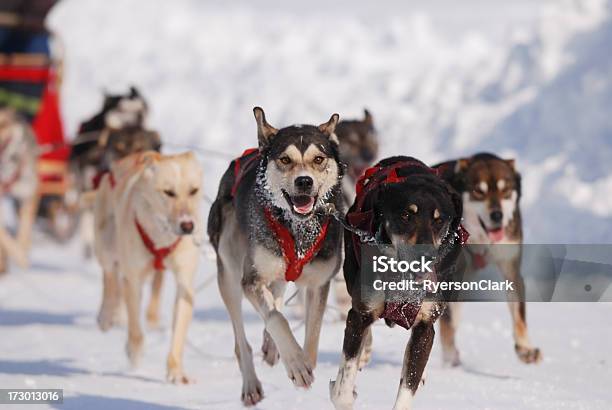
(187,227)
(304,183)
(496,216)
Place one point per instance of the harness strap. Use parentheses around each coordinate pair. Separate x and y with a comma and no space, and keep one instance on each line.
(242,165)
(97,179)
(294,263)
(159,254)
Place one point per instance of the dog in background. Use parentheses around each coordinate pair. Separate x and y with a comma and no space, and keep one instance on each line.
(402,204)
(358,149)
(268,226)
(490,188)
(19,181)
(115,132)
(146,213)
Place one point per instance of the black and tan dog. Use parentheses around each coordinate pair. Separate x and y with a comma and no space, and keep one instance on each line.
(490,188)
(403,203)
(269,227)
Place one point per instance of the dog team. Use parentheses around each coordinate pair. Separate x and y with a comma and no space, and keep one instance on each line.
(293,209)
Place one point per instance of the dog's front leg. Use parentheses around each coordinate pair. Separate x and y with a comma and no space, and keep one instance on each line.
(291,354)
(415,359)
(132,291)
(268,347)
(183,312)
(154,302)
(27,213)
(510,269)
(342,390)
(316,299)
(12,248)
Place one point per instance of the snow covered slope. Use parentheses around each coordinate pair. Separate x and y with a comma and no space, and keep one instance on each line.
(541,93)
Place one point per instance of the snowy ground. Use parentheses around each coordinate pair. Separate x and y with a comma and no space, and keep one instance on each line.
(512,77)
(50,339)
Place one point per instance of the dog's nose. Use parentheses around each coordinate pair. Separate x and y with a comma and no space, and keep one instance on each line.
(496,216)
(186,227)
(303,183)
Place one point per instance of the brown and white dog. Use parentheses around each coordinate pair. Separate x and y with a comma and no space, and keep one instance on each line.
(146,214)
(490,188)
(19,181)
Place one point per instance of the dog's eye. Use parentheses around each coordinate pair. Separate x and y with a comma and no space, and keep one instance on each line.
(170,193)
(318,159)
(193,191)
(285,160)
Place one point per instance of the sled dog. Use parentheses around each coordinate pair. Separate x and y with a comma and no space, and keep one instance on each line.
(268,227)
(146,216)
(490,188)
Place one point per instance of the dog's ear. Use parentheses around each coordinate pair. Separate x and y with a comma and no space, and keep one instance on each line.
(367,117)
(264,130)
(461,165)
(134,92)
(511,162)
(328,128)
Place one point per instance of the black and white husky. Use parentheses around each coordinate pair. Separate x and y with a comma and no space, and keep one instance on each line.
(269,226)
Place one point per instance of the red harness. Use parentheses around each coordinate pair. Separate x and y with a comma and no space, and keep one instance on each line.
(401,313)
(97,179)
(294,264)
(159,254)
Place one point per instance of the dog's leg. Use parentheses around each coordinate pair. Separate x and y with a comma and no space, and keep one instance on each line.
(27,213)
(342,390)
(316,299)
(154,302)
(415,359)
(231,293)
(292,355)
(12,248)
(183,313)
(86,226)
(366,352)
(449,322)
(132,291)
(510,268)
(342,297)
(111,300)
(268,347)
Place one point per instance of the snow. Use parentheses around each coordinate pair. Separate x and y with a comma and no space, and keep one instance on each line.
(523,80)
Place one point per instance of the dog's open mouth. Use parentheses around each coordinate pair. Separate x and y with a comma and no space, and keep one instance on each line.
(301,204)
(494,234)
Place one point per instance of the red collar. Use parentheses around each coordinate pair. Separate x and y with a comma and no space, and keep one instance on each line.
(295,264)
(159,254)
(98,178)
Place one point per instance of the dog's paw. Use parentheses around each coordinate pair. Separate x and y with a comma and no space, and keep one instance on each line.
(450,358)
(340,400)
(528,354)
(176,376)
(153,322)
(133,349)
(252,393)
(105,319)
(269,350)
(298,369)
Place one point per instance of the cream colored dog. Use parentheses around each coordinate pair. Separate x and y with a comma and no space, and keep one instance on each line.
(146,217)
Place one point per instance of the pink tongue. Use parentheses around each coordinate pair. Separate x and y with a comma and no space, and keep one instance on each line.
(304,209)
(496,235)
